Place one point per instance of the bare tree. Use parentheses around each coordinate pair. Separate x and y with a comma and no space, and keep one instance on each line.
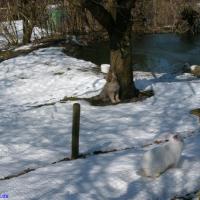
(27,12)
(116,18)
(193,19)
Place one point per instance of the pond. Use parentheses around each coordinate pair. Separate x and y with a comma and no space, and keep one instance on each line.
(162,53)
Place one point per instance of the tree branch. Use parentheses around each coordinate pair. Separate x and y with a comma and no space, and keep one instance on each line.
(100,14)
(126,3)
(123,19)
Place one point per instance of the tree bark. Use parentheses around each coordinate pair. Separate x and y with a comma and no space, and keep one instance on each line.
(27,12)
(27,31)
(121,65)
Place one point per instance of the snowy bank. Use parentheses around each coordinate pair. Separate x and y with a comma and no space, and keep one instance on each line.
(32,138)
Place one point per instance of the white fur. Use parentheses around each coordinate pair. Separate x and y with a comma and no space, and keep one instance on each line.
(194,67)
(159,159)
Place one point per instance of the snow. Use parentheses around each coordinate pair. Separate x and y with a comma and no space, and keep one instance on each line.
(111,176)
(24,47)
(36,137)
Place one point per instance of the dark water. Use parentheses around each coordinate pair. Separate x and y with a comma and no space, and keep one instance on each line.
(152,52)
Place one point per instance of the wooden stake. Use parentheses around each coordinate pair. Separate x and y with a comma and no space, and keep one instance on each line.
(75,131)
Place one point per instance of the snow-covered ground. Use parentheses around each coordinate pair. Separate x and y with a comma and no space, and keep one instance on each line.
(105,177)
(35,137)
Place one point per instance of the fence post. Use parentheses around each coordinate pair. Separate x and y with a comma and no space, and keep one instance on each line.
(75,131)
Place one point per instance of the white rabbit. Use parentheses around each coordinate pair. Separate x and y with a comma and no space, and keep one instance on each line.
(161,158)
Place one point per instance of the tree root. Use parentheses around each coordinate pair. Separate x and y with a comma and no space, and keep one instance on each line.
(99,101)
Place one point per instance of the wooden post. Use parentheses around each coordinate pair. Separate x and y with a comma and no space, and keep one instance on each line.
(75,131)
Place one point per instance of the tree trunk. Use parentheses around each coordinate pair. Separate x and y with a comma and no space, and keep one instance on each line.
(121,64)
(116,19)
(27,31)
(121,53)
(27,12)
